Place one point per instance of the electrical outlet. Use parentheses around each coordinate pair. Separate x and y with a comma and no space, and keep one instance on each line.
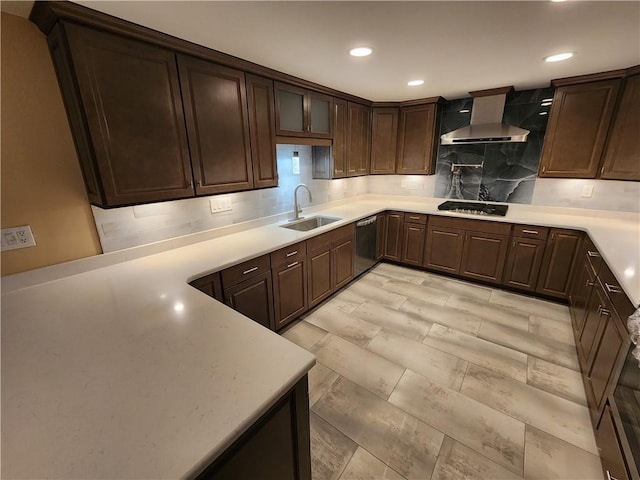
(17,237)
(587,191)
(220,204)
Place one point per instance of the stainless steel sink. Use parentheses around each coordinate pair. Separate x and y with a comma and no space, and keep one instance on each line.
(310,223)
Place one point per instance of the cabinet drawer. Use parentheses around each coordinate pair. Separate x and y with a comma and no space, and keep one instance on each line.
(293,252)
(320,241)
(614,291)
(487,226)
(250,268)
(415,218)
(529,231)
(592,255)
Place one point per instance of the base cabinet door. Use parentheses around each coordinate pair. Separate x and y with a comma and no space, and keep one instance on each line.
(443,250)
(413,243)
(580,296)
(289,291)
(559,256)
(393,243)
(210,285)
(611,456)
(381,235)
(343,254)
(523,263)
(591,328)
(254,299)
(483,256)
(320,274)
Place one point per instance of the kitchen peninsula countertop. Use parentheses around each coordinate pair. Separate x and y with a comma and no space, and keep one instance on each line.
(120,369)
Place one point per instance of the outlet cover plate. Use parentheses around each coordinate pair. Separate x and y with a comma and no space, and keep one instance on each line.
(587,191)
(17,237)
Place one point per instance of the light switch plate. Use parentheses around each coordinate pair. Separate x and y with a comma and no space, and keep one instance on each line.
(220,204)
(587,191)
(17,237)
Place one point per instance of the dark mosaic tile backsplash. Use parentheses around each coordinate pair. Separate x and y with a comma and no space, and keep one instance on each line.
(509,170)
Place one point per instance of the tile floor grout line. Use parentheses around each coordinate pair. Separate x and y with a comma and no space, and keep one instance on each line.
(378,458)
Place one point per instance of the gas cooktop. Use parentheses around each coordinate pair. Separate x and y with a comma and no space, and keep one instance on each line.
(474,207)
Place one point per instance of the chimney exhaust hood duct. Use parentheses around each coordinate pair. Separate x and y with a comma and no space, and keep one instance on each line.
(486,121)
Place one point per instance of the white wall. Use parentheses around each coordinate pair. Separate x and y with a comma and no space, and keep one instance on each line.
(126,227)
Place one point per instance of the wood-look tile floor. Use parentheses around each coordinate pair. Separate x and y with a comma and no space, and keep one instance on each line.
(423,377)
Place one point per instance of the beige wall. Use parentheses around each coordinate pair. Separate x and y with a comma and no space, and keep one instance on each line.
(41,183)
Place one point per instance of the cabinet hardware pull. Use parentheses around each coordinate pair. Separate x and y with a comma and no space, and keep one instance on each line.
(593,254)
(533,232)
(292,264)
(612,288)
(609,477)
(599,310)
(590,284)
(414,218)
(605,312)
(250,270)
(292,253)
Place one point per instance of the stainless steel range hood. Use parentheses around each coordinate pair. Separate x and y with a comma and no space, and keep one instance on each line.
(486,123)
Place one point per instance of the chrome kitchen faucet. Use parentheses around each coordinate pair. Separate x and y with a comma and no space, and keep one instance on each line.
(296,208)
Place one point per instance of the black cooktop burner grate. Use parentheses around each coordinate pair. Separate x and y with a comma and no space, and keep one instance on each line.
(474,207)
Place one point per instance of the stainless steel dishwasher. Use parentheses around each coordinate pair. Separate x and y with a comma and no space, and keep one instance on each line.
(365,244)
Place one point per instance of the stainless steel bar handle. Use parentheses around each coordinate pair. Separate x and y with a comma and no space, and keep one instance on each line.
(612,288)
(250,270)
(590,284)
(533,232)
(593,254)
(599,310)
(605,312)
(414,218)
(609,477)
(292,264)
(292,253)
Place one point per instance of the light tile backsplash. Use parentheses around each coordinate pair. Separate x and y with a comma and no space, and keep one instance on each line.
(126,227)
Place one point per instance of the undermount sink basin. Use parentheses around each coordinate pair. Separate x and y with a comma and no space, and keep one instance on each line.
(309,223)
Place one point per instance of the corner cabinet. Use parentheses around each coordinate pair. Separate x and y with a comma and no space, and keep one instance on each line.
(384,140)
(358,140)
(124,105)
(417,144)
(215,105)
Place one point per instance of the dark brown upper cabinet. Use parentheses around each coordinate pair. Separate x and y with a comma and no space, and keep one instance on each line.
(339,147)
(579,120)
(417,139)
(384,140)
(215,106)
(622,154)
(302,113)
(124,106)
(358,139)
(262,124)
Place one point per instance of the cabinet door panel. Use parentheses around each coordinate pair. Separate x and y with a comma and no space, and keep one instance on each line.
(289,292)
(591,328)
(416,140)
(290,110)
(131,98)
(578,124)
(358,140)
(523,263)
(384,140)
(622,156)
(320,115)
(580,294)
(210,285)
(483,256)
(381,234)
(254,299)
(262,131)
(413,243)
(611,454)
(340,127)
(343,262)
(559,257)
(215,105)
(393,242)
(443,250)
(320,275)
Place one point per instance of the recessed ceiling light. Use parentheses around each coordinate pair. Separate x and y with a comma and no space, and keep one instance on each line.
(360,51)
(415,83)
(558,1)
(558,57)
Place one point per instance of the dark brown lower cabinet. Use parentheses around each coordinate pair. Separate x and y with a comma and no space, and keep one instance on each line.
(254,299)
(210,285)
(393,240)
(276,446)
(443,249)
(611,456)
(319,272)
(483,256)
(289,291)
(592,323)
(559,257)
(343,253)
(523,263)
(381,235)
(413,243)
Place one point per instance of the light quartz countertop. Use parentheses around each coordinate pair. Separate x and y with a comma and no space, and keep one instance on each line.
(114,367)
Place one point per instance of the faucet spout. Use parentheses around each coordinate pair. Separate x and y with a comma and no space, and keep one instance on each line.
(296,206)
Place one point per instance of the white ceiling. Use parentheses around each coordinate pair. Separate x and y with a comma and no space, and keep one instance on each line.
(455,46)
